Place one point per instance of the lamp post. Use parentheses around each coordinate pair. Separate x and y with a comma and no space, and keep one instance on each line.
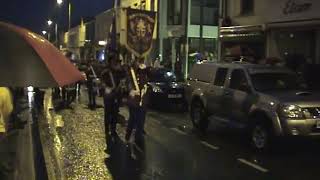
(44,33)
(59,2)
(49,24)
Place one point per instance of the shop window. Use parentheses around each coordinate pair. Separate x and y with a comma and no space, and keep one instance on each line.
(194,45)
(195,12)
(209,48)
(247,7)
(174,12)
(296,45)
(210,12)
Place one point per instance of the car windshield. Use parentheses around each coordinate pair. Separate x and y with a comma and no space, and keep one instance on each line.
(163,76)
(275,81)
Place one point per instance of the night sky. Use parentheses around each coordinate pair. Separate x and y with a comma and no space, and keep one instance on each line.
(33,14)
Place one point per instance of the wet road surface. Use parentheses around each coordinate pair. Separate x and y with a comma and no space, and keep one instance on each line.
(173,150)
(227,155)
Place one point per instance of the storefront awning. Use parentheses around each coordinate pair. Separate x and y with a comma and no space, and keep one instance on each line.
(242,29)
(290,24)
(242,33)
(257,36)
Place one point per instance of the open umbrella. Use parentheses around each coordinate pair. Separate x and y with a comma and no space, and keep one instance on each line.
(27,59)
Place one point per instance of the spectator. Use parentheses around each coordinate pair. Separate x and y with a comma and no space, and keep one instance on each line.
(6,107)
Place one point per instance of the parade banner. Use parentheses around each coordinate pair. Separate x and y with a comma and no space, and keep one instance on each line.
(140,28)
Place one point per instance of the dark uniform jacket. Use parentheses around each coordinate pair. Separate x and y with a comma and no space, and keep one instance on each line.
(142,79)
(111,80)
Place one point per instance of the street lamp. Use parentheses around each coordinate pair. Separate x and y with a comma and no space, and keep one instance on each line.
(49,22)
(59,2)
(44,32)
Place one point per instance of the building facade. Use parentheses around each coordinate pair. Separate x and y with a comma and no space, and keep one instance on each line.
(187,28)
(271,28)
(75,39)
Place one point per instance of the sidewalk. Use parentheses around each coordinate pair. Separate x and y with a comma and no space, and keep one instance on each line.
(74,142)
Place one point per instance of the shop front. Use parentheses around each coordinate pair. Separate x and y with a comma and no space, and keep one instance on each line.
(294,31)
(294,36)
(242,41)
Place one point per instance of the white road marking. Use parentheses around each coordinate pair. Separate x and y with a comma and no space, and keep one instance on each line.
(253,165)
(209,145)
(178,131)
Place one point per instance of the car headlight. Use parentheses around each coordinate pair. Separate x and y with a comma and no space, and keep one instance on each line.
(156,89)
(292,111)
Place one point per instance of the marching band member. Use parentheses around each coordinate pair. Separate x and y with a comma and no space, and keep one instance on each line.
(111,77)
(137,102)
(90,85)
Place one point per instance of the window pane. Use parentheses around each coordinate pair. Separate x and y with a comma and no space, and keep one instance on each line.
(174,12)
(210,12)
(210,49)
(220,76)
(194,45)
(195,15)
(238,80)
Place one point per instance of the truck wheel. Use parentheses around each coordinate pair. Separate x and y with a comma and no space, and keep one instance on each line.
(198,116)
(261,136)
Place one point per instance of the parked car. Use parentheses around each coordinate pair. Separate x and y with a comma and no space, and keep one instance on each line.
(164,89)
(265,101)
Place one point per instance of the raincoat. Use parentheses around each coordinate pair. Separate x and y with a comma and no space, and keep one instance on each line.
(6,108)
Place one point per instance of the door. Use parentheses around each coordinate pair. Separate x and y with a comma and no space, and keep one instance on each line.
(238,98)
(215,92)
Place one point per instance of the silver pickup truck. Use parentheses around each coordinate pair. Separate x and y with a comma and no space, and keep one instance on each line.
(265,101)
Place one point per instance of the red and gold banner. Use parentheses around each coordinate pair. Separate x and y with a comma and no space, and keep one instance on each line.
(140,28)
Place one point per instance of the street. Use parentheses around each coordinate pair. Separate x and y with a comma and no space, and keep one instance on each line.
(173,150)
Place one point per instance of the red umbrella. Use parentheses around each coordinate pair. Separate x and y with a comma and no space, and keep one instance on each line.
(27,59)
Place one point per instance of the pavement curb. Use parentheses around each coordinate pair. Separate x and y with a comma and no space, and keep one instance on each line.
(47,134)
(49,160)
